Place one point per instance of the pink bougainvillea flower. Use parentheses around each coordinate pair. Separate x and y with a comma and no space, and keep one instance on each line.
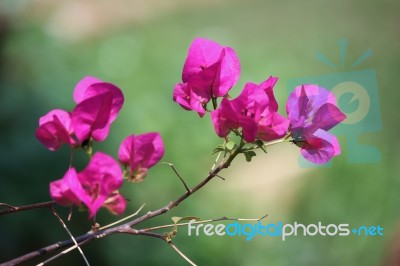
(210,70)
(140,153)
(191,98)
(68,190)
(116,203)
(312,111)
(254,110)
(96,186)
(98,104)
(55,129)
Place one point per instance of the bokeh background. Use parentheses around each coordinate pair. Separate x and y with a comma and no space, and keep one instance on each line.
(47,46)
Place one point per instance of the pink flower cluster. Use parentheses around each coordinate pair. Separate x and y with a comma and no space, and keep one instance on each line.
(97,106)
(211,70)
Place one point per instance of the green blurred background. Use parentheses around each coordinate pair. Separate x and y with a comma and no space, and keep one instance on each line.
(47,46)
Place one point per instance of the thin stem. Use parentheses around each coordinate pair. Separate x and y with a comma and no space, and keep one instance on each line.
(214,102)
(13,209)
(205,221)
(216,161)
(71,157)
(175,203)
(275,142)
(69,233)
(123,219)
(63,252)
(181,253)
(83,239)
(179,176)
(270,143)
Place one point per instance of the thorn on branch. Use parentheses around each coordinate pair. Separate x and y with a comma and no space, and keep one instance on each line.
(179,176)
(220,177)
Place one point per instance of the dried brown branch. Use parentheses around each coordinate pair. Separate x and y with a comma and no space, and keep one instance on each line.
(126,227)
(12,209)
(206,221)
(70,234)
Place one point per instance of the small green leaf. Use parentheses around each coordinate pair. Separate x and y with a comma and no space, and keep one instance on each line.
(230,145)
(176,220)
(261,145)
(218,149)
(249,155)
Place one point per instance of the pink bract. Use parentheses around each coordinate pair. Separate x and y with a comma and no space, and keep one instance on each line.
(254,110)
(95,186)
(55,129)
(98,104)
(140,153)
(210,70)
(313,111)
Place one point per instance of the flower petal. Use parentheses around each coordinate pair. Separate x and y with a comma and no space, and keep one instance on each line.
(81,87)
(101,178)
(181,95)
(273,126)
(328,116)
(224,118)
(268,87)
(126,149)
(202,54)
(249,128)
(68,190)
(90,87)
(116,204)
(320,147)
(91,117)
(55,129)
(228,73)
(211,67)
(141,152)
(149,149)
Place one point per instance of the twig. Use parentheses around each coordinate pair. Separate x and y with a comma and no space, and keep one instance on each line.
(275,142)
(123,219)
(64,252)
(179,176)
(8,206)
(87,240)
(215,162)
(83,239)
(181,254)
(140,232)
(70,213)
(70,234)
(13,209)
(206,221)
(220,177)
(160,236)
(71,157)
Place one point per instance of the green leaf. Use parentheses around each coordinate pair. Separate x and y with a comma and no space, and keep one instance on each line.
(176,220)
(249,155)
(230,145)
(261,145)
(218,149)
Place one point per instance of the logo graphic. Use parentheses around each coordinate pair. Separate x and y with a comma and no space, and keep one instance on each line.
(357,95)
(281,230)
